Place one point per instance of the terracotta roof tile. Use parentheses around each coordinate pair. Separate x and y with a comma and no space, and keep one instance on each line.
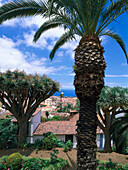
(60,127)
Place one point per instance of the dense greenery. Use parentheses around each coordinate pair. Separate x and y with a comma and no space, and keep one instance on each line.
(65,109)
(105,165)
(14,160)
(21,94)
(56,118)
(112,101)
(51,141)
(8,132)
(119,131)
(35,163)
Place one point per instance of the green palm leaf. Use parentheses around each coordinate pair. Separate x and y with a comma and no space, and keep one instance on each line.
(21,8)
(117,38)
(51,23)
(69,35)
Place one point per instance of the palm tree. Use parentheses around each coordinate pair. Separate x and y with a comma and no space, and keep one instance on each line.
(119,131)
(88,19)
(112,101)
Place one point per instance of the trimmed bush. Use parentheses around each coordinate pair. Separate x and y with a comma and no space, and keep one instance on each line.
(14,160)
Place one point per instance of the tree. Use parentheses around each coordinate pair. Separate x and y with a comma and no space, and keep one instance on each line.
(61,96)
(89,20)
(47,114)
(21,94)
(119,131)
(112,101)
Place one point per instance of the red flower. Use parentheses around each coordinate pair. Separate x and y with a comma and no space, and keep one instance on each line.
(3,163)
(119,167)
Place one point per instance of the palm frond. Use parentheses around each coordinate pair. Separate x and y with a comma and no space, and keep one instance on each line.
(51,23)
(21,8)
(109,14)
(69,35)
(117,38)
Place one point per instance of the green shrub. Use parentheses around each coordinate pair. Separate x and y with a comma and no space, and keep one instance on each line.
(50,135)
(38,143)
(54,156)
(32,163)
(69,144)
(8,132)
(14,160)
(66,148)
(59,165)
(59,143)
(47,143)
(3,158)
(43,119)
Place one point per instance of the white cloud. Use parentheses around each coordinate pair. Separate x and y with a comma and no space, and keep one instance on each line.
(12,58)
(124,64)
(60,54)
(116,76)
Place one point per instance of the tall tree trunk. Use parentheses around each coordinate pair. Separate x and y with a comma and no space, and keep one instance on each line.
(89,68)
(22,136)
(107,145)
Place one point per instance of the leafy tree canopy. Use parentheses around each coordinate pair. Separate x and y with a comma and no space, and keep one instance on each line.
(21,94)
(19,91)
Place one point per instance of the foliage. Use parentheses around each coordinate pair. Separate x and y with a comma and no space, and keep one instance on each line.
(69,144)
(127,150)
(112,101)
(47,114)
(77,106)
(119,131)
(8,132)
(77,17)
(54,156)
(38,143)
(47,143)
(65,109)
(43,119)
(37,163)
(60,118)
(111,166)
(14,160)
(24,93)
(66,148)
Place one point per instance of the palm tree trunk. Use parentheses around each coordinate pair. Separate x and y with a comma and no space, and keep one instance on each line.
(89,68)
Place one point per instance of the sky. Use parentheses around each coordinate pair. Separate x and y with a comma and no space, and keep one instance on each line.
(17,51)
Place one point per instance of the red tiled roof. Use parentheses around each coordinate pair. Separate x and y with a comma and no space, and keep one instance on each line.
(60,127)
(57,127)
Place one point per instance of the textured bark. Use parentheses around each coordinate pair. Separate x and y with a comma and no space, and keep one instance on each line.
(22,136)
(107,146)
(89,68)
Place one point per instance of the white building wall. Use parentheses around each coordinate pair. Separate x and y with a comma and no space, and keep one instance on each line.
(98,140)
(74,141)
(35,121)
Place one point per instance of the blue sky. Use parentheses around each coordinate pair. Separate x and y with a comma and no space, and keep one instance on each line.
(18,51)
